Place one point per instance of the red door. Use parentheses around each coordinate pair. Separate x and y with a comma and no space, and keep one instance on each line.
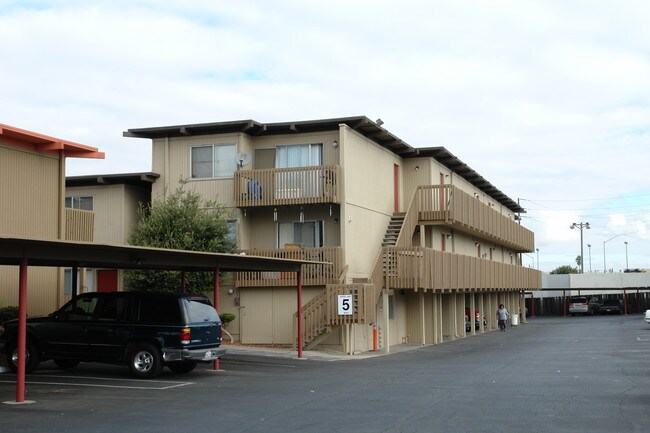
(396,186)
(107,280)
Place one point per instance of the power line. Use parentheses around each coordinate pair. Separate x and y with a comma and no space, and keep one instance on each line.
(591,199)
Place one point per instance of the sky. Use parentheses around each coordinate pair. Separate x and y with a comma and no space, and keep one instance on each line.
(548,100)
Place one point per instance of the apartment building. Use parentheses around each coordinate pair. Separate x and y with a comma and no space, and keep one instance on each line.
(114,200)
(413,237)
(32,193)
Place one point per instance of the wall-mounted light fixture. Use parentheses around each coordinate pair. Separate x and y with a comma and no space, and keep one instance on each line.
(448,235)
(335,143)
(330,210)
(302,215)
(231,291)
(244,213)
(275,214)
(417,168)
(476,244)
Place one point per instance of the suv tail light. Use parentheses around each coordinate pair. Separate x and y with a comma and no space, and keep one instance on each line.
(185,335)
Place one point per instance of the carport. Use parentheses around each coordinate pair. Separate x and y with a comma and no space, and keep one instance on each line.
(25,252)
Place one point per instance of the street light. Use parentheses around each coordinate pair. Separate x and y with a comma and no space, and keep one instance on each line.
(537,250)
(582,255)
(626,265)
(604,255)
(589,246)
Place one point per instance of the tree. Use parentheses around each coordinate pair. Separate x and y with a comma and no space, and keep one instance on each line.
(579,261)
(565,269)
(182,221)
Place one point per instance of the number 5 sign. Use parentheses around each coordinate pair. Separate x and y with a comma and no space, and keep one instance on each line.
(345,305)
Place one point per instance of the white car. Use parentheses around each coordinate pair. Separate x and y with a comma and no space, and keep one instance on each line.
(647,317)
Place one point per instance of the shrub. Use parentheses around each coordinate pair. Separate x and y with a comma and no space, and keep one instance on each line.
(227,318)
(8,313)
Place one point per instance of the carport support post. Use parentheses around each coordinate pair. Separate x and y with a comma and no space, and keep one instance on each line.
(299,275)
(564,300)
(75,284)
(215,363)
(532,304)
(625,301)
(22,331)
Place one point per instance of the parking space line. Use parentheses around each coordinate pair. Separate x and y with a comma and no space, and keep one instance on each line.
(169,384)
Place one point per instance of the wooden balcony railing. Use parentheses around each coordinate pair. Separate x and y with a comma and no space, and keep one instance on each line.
(425,268)
(453,206)
(312,275)
(79,225)
(288,186)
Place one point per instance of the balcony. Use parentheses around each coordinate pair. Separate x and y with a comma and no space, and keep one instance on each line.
(312,275)
(428,269)
(450,205)
(288,186)
(79,225)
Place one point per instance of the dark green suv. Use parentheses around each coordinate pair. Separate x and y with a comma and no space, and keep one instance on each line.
(145,331)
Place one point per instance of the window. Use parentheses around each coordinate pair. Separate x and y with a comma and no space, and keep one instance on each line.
(298,183)
(301,155)
(160,310)
(89,285)
(308,234)
(200,311)
(212,161)
(79,202)
(80,309)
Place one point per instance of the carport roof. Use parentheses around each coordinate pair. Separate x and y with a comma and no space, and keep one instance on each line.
(43,252)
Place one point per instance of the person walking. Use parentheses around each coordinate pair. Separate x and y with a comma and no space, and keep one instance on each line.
(502,317)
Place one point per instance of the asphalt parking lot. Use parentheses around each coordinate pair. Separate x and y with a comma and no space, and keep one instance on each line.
(574,374)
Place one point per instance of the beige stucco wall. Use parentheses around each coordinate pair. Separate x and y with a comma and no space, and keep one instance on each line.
(115,208)
(31,196)
(368,199)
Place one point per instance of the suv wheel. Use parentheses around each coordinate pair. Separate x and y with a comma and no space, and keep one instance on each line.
(145,360)
(31,354)
(182,367)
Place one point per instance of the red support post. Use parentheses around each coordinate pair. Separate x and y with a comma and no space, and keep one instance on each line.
(375,338)
(22,331)
(299,275)
(215,363)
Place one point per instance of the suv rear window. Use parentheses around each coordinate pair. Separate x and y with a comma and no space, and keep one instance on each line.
(160,310)
(200,310)
(579,300)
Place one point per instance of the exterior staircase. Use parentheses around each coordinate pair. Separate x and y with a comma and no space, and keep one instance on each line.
(394,227)
(317,326)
